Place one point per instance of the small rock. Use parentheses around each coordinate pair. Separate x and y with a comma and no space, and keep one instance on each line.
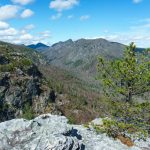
(97,121)
(19,72)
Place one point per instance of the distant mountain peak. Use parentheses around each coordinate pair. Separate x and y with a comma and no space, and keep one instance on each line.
(38,46)
(63,43)
(41,44)
(70,40)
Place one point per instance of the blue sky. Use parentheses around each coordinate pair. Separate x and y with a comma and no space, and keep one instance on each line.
(50,21)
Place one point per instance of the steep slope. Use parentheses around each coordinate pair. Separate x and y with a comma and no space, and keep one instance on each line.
(81,55)
(79,100)
(27,90)
(38,47)
(24,92)
(36,57)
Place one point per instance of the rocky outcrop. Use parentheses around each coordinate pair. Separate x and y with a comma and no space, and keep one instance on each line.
(3,60)
(51,132)
(19,89)
(24,92)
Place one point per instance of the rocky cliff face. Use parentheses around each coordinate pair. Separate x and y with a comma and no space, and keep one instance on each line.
(19,90)
(48,132)
(24,92)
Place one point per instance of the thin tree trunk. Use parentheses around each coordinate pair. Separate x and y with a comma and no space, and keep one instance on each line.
(129,98)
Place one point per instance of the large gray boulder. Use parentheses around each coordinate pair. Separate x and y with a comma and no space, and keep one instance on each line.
(46,132)
(51,132)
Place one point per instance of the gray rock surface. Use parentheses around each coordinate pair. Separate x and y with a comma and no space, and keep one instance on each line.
(51,132)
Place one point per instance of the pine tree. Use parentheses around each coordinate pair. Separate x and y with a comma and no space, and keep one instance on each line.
(128,76)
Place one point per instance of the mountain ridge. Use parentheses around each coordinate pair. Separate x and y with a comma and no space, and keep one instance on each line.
(38,47)
(80,56)
(35,56)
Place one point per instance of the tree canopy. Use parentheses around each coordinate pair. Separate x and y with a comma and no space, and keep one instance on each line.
(127,76)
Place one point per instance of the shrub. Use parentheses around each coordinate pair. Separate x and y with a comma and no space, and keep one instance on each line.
(28,112)
(136,114)
(59,88)
(114,129)
(7,68)
(25,62)
(71,120)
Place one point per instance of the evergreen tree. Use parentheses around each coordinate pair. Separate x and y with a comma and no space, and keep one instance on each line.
(128,76)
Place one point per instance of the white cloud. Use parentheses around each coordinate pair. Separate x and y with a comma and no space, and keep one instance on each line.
(45,34)
(23,31)
(29,27)
(8,32)
(41,37)
(8,12)
(139,33)
(26,37)
(141,39)
(137,1)
(23,35)
(3,25)
(57,16)
(60,5)
(84,17)
(26,29)
(22,2)
(27,13)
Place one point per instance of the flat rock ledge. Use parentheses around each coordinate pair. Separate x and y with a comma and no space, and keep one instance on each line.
(51,132)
